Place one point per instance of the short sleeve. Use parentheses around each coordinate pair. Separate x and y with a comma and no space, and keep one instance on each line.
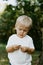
(31,45)
(10,42)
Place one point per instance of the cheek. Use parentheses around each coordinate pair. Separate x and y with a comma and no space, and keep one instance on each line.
(18,31)
(25,33)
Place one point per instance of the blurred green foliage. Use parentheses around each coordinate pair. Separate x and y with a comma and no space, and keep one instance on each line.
(24,7)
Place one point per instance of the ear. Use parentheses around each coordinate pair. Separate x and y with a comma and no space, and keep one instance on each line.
(15,28)
(30,27)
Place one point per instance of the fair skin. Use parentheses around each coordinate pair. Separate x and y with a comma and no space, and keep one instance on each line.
(21,31)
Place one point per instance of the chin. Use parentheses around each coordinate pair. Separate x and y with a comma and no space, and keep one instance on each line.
(21,36)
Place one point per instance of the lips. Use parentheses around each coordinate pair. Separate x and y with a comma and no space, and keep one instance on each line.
(21,35)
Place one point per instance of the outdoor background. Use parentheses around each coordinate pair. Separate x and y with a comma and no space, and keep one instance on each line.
(9,11)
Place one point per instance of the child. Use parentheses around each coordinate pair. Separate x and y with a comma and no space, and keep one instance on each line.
(20,46)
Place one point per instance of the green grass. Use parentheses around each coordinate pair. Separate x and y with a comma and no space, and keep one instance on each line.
(3,55)
(35,57)
(4,59)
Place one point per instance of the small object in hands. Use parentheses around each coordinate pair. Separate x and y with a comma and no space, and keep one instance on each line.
(16,47)
(23,49)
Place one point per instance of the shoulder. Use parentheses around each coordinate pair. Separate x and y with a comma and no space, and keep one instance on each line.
(28,37)
(12,36)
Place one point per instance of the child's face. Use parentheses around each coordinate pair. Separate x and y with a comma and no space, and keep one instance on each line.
(21,30)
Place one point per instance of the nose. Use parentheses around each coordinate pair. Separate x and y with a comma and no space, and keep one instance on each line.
(22,31)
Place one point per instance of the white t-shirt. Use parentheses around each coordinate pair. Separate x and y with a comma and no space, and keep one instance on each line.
(18,57)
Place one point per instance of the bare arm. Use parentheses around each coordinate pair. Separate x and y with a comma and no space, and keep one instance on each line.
(28,50)
(12,48)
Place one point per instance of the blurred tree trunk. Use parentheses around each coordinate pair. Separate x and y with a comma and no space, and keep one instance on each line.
(41,55)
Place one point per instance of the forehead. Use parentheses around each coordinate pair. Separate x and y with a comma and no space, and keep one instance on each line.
(22,26)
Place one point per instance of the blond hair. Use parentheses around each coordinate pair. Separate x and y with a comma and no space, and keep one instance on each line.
(25,20)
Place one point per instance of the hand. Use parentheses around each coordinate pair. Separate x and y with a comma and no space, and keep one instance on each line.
(16,47)
(23,49)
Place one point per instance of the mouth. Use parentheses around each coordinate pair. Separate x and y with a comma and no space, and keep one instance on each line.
(21,36)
